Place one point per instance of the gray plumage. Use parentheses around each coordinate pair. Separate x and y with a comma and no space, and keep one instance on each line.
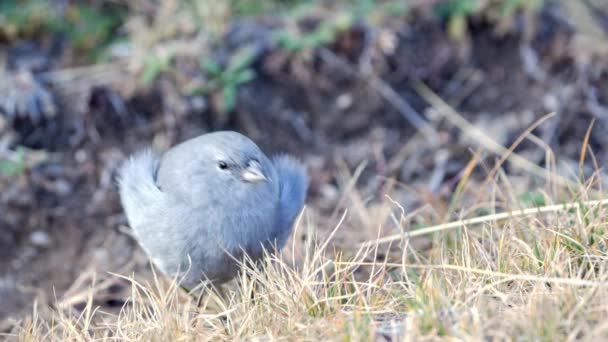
(203,202)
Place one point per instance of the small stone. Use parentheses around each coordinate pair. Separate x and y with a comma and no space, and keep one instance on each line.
(344,101)
(198,104)
(40,238)
(62,187)
(387,41)
(551,102)
(329,191)
(81,156)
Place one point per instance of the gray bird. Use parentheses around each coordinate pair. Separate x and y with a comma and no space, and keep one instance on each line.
(204,202)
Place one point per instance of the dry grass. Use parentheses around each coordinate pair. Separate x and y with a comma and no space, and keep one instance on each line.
(504,269)
(535,274)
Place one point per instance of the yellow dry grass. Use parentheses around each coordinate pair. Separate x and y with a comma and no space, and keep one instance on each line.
(518,270)
(533,274)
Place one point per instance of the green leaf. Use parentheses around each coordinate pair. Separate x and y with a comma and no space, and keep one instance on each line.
(229,98)
(395,8)
(156,64)
(151,71)
(14,166)
(457,27)
(452,8)
(572,244)
(206,88)
(293,44)
(244,76)
(322,36)
(287,41)
(241,60)
(534,198)
(537,255)
(210,66)
(92,26)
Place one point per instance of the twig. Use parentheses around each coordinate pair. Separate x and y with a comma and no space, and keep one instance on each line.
(581,163)
(469,129)
(483,219)
(389,94)
(510,153)
(490,273)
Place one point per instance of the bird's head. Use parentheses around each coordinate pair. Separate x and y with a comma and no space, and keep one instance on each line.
(234,159)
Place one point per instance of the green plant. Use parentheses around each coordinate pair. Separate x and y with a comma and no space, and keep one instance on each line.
(533,198)
(456,12)
(156,64)
(25,17)
(324,34)
(371,11)
(88,27)
(13,164)
(508,7)
(255,7)
(224,81)
(91,28)
(375,12)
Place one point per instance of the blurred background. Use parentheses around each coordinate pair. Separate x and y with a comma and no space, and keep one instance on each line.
(376,96)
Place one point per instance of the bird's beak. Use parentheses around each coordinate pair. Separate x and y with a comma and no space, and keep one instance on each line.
(253,173)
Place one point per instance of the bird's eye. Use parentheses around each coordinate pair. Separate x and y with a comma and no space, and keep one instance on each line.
(222,165)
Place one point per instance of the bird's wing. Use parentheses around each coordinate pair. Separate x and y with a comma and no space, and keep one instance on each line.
(139,194)
(293,185)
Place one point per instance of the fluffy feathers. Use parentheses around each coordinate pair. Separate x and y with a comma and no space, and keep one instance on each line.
(193,212)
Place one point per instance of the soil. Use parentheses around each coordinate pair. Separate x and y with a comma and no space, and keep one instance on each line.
(62,217)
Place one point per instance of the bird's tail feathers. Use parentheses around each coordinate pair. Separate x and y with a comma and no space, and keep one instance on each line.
(294,185)
(137,184)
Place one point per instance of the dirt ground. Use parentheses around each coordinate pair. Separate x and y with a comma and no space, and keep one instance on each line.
(62,216)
